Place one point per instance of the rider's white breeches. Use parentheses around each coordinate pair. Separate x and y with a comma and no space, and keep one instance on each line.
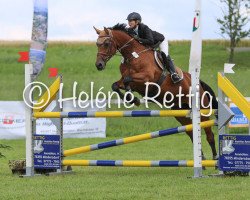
(164,46)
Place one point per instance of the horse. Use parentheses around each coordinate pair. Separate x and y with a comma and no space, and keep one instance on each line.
(139,67)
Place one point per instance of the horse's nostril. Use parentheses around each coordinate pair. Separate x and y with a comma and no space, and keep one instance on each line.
(100,65)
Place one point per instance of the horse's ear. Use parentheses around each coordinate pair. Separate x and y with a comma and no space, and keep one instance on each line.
(97,30)
(106,30)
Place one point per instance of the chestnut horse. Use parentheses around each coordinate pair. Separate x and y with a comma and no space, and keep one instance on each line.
(139,68)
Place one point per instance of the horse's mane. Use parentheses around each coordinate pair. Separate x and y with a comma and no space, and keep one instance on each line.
(120,27)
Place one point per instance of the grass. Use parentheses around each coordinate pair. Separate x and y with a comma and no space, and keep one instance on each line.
(123,183)
(76,63)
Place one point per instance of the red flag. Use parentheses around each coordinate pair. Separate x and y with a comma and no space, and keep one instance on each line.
(53,72)
(24,56)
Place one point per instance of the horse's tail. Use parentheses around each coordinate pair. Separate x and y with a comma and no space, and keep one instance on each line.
(208,89)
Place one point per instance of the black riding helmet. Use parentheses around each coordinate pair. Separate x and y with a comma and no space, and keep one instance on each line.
(134,16)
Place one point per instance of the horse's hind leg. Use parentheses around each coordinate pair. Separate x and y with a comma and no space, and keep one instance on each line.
(210,139)
(186,121)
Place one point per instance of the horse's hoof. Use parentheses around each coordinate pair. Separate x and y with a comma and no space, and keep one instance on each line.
(129,98)
(136,101)
(115,86)
(216,157)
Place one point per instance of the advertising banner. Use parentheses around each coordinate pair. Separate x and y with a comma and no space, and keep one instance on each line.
(234,153)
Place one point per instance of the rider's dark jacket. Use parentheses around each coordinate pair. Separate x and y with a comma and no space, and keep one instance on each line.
(147,36)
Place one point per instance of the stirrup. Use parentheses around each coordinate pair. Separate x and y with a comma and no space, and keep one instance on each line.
(176,81)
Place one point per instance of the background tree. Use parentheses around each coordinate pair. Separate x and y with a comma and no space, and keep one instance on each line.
(234,21)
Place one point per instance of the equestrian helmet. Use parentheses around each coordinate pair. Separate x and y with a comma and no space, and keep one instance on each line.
(134,16)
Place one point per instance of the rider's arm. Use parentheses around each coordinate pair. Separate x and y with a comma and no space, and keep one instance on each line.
(148,37)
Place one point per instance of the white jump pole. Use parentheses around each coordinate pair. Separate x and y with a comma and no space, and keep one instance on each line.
(28,123)
(194,70)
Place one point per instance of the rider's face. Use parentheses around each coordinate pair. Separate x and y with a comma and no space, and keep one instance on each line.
(132,23)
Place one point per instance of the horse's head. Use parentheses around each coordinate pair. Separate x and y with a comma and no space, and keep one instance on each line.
(106,47)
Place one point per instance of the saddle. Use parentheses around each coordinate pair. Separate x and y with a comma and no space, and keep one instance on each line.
(159,61)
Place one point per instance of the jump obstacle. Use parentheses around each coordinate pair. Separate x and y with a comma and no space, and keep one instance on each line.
(38,113)
(224,86)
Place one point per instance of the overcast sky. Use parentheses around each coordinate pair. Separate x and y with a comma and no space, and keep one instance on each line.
(74,19)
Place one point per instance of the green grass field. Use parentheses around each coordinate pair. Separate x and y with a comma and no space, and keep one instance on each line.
(76,63)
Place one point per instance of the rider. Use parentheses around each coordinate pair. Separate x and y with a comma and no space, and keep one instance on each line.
(146,36)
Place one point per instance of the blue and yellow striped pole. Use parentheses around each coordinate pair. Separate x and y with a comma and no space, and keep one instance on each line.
(136,138)
(133,113)
(139,163)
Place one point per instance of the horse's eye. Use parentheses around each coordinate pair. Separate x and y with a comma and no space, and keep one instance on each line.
(106,44)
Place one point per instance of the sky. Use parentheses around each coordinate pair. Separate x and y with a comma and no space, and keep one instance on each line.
(74,19)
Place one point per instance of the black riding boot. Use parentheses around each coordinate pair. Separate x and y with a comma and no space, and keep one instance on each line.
(171,68)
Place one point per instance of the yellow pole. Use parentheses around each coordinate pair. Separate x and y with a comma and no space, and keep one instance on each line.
(205,163)
(47,115)
(232,92)
(48,96)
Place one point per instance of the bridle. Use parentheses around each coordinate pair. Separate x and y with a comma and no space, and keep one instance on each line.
(109,53)
(110,37)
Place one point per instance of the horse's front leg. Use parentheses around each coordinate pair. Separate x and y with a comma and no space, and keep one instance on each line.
(138,79)
(116,86)
(127,84)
